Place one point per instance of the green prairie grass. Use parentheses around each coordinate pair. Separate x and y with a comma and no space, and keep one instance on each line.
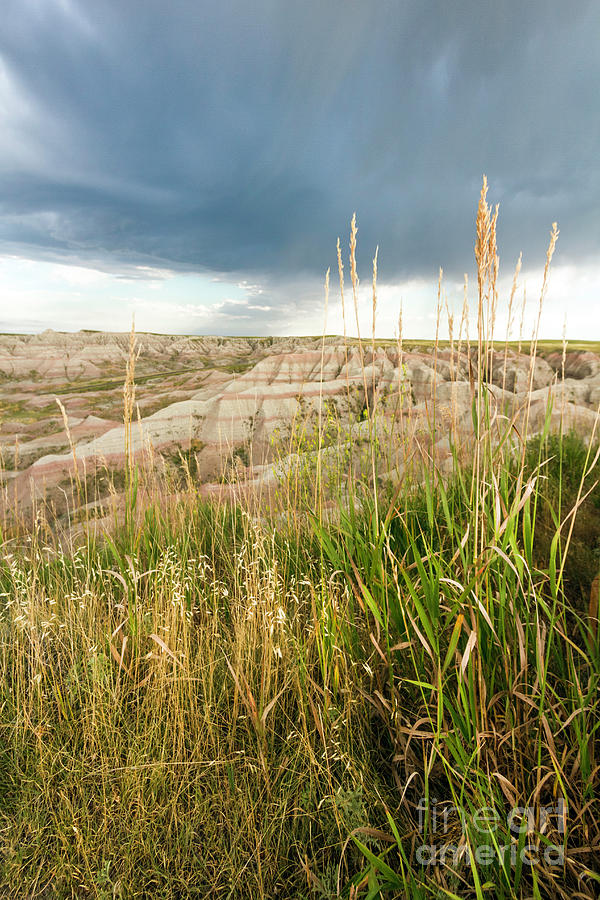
(233,700)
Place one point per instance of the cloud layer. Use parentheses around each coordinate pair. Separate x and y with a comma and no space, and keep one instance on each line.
(240,137)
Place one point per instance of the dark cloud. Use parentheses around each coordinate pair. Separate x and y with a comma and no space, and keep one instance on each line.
(240,137)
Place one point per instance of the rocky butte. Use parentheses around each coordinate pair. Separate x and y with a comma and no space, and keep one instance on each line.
(235,406)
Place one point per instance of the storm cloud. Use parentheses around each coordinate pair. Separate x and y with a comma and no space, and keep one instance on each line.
(240,138)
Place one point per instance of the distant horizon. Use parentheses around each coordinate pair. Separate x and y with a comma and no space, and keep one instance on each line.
(365,338)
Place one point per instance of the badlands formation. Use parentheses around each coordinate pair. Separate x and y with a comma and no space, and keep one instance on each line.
(228,408)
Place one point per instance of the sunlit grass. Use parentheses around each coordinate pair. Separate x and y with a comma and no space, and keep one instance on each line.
(287,698)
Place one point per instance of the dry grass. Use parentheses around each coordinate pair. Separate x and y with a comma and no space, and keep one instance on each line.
(218,700)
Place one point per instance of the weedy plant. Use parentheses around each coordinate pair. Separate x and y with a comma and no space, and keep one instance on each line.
(381,683)
(486,672)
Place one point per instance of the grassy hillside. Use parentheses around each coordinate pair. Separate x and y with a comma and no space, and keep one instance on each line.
(372,688)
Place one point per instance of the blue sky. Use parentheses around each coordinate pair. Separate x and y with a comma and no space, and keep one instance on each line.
(194,163)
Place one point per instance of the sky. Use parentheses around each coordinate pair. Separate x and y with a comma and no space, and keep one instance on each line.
(192,164)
